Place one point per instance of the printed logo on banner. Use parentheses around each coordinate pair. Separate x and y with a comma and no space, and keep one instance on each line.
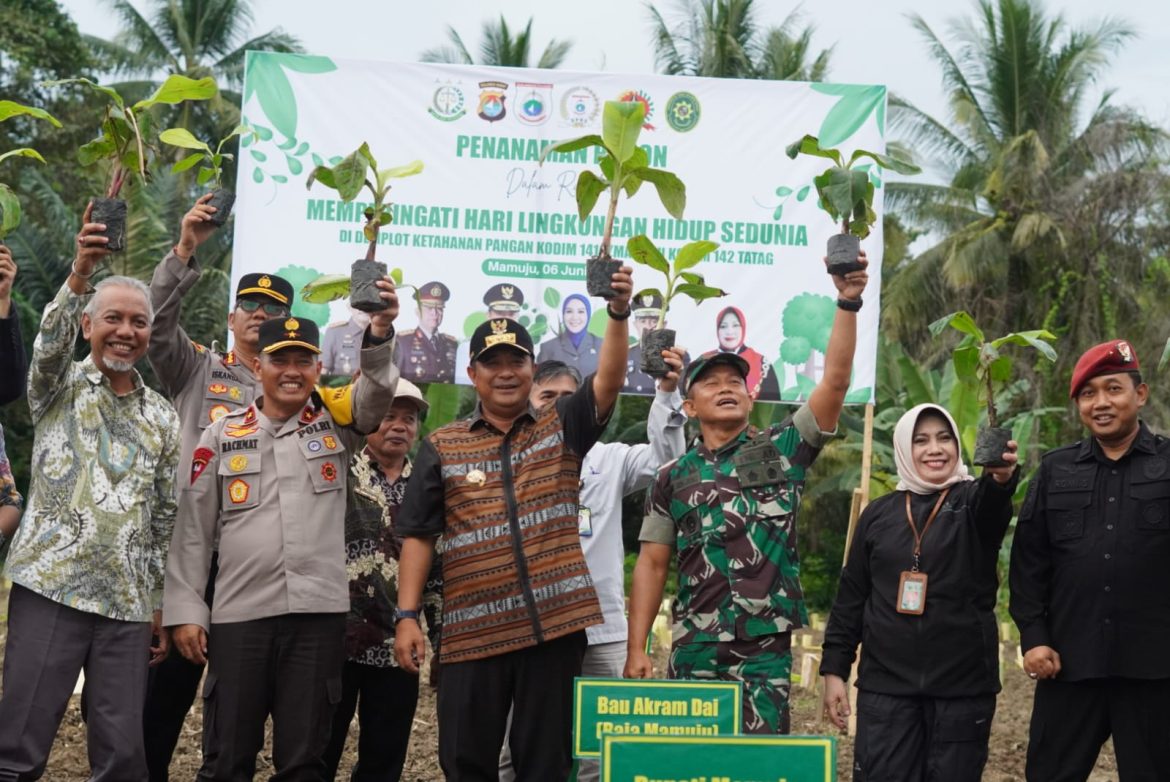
(580,106)
(491,100)
(448,103)
(533,102)
(682,112)
(641,97)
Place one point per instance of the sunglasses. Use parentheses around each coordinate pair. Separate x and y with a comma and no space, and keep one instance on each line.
(271,309)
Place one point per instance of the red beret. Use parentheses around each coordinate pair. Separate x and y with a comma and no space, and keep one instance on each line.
(1105,359)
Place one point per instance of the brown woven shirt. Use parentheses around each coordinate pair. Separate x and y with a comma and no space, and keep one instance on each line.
(506,503)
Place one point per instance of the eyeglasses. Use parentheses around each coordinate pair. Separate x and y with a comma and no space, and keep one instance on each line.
(271,309)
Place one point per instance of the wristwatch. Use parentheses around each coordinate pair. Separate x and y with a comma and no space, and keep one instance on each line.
(400,614)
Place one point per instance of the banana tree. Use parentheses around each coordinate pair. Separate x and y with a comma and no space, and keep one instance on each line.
(212,165)
(679,282)
(9,204)
(126,144)
(846,194)
(982,367)
(357,171)
(624,167)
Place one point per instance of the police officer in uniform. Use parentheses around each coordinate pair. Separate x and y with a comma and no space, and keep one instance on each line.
(342,342)
(503,300)
(1090,583)
(646,310)
(268,482)
(424,354)
(204,386)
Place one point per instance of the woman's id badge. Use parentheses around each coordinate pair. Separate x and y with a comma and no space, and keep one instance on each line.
(584,523)
(912,593)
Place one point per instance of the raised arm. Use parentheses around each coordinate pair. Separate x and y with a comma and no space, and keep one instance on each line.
(171,353)
(360,406)
(615,346)
(827,399)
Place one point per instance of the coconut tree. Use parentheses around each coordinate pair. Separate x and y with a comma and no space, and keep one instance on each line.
(1041,186)
(195,38)
(498,46)
(723,38)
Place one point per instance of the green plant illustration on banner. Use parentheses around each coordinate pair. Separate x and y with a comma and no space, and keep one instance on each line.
(299,277)
(807,322)
(267,80)
(533,319)
(784,193)
(853,108)
(471,323)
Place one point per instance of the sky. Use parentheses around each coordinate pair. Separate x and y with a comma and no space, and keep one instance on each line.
(874,42)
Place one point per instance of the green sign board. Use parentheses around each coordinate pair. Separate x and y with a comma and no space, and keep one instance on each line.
(723,759)
(652,707)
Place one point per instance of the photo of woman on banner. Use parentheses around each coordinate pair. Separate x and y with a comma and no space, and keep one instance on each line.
(731,332)
(919,585)
(574,345)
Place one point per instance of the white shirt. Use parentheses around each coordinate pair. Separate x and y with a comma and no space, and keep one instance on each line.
(609,472)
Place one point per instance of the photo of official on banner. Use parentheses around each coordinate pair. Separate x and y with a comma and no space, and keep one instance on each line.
(485,228)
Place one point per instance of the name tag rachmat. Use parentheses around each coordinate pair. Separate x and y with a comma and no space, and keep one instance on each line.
(912,584)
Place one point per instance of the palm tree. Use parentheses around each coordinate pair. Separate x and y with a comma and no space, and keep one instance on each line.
(1040,190)
(196,38)
(499,47)
(723,38)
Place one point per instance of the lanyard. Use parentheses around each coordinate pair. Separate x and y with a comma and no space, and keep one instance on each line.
(929,520)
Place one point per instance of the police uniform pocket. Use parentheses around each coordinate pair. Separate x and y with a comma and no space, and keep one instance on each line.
(220,398)
(239,474)
(1152,503)
(325,456)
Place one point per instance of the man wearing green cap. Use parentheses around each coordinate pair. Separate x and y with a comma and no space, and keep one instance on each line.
(267,481)
(728,507)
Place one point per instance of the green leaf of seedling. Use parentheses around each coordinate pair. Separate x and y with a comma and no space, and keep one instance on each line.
(370,232)
(183,138)
(22,152)
(1033,339)
(9,211)
(190,161)
(385,218)
(631,183)
(398,172)
(671,190)
(205,175)
(621,124)
(326,288)
(572,145)
(886,161)
(350,175)
(836,188)
(110,93)
(10,109)
(177,89)
(643,251)
(802,193)
(98,149)
(809,145)
(364,151)
(961,321)
(698,293)
(640,159)
(589,189)
(691,253)
(693,278)
(1001,369)
(967,363)
(396,275)
(322,174)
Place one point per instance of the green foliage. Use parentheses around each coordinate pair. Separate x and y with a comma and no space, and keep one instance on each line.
(359,170)
(212,168)
(846,190)
(298,277)
(499,47)
(679,281)
(624,167)
(10,211)
(127,139)
(980,363)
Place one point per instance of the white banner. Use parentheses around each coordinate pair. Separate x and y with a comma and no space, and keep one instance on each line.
(486,223)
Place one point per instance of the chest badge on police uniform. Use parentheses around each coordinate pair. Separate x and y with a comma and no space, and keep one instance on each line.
(238,462)
(238,491)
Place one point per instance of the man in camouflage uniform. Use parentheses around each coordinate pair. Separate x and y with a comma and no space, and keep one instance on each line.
(728,506)
(424,354)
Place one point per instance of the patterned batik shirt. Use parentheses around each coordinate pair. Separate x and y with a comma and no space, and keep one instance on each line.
(372,550)
(101,501)
(731,515)
(9,496)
